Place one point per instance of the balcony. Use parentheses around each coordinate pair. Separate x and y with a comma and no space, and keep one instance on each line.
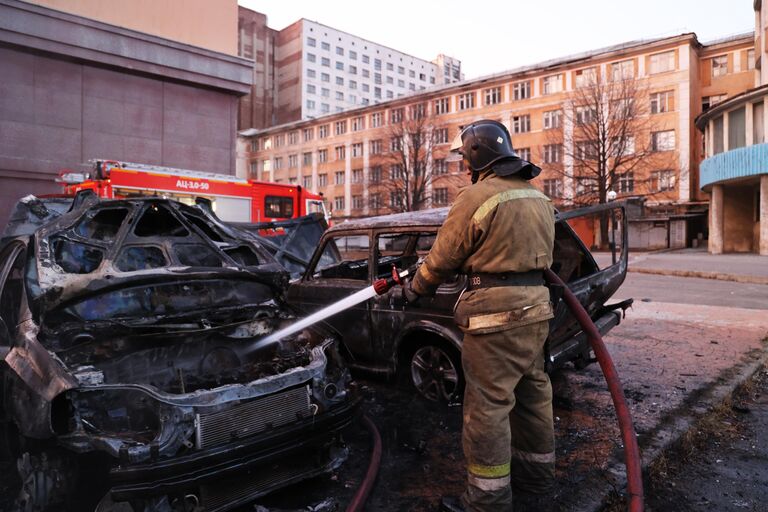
(751,161)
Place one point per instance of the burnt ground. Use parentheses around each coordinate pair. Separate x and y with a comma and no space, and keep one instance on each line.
(722,464)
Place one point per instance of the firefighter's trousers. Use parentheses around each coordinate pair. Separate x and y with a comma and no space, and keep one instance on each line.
(508,433)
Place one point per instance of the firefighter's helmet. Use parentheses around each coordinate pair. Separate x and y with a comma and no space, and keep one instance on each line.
(487,143)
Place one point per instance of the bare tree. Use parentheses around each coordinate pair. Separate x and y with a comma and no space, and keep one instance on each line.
(604,142)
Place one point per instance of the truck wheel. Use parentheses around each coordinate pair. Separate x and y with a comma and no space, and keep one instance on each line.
(434,371)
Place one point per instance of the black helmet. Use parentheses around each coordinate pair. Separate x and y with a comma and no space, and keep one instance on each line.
(485,143)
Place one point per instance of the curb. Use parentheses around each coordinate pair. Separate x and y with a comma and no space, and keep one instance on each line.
(673,428)
(719,276)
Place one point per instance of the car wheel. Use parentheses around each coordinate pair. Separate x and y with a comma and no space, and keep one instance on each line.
(435,372)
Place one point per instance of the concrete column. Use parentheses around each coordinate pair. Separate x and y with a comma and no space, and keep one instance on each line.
(348,179)
(366,174)
(716,229)
(750,125)
(764,215)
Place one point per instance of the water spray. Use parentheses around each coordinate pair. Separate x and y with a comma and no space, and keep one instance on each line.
(379,287)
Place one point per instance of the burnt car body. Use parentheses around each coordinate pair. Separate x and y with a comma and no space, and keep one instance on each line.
(125,369)
(384,335)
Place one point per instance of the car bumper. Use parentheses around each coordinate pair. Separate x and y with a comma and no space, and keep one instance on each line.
(197,472)
(577,346)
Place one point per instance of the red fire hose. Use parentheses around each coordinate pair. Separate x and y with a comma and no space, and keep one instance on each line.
(631,450)
(361,496)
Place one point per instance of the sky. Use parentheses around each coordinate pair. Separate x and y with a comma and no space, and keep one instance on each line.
(491,37)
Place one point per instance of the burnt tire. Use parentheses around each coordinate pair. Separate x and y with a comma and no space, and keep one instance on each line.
(433,370)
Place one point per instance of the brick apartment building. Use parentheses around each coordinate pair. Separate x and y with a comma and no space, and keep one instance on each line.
(345,155)
(308,69)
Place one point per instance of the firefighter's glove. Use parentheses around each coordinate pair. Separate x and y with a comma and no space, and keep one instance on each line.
(409,296)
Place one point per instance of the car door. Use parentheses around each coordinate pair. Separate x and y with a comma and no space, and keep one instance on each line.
(339,268)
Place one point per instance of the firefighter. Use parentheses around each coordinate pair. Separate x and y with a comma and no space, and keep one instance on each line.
(500,233)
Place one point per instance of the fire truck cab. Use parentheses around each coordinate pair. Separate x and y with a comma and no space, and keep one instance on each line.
(234,199)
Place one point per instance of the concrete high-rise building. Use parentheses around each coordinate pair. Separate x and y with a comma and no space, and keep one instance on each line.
(309,69)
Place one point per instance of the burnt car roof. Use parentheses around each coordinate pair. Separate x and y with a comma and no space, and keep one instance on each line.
(104,244)
(433,217)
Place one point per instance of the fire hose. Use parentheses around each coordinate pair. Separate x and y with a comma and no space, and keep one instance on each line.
(631,450)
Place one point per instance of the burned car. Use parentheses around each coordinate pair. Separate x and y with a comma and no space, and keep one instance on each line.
(128,380)
(421,342)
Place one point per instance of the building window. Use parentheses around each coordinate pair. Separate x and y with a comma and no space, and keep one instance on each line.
(352,84)
(442,106)
(366,59)
(711,101)
(266,166)
(325,92)
(322,131)
(254,170)
(339,95)
(553,153)
(325,77)
(339,50)
(663,180)
(358,123)
(279,140)
(278,163)
(586,150)
(663,141)
(325,61)
(311,73)
(627,183)
(390,80)
(357,202)
(338,178)
(322,156)
(306,158)
(339,65)
(552,84)
(293,161)
(325,46)
(418,111)
(552,119)
(375,201)
(339,80)
(377,64)
(750,59)
(586,77)
(308,134)
(662,62)
(357,175)
(466,101)
(374,175)
(377,119)
(311,41)
(357,149)
(341,152)
(310,104)
(521,124)
(322,180)
(396,143)
(396,115)
(440,196)
(395,199)
(524,153)
(325,108)
(622,146)
(311,89)
(439,166)
(623,70)
(585,115)
(396,172)
(352,54)
(340,127)
(311,57)
(306,181)
(441,135)
(338,203)
(375,147)
(553,187)
(521,91)
(720,65)
(366,74)
(492,96)
(662,102)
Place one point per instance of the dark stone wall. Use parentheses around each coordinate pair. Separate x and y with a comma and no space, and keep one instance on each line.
(57,114)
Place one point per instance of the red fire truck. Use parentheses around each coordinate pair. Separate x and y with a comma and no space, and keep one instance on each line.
(234,199)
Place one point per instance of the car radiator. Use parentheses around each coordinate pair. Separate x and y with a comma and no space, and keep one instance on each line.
(252,417)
